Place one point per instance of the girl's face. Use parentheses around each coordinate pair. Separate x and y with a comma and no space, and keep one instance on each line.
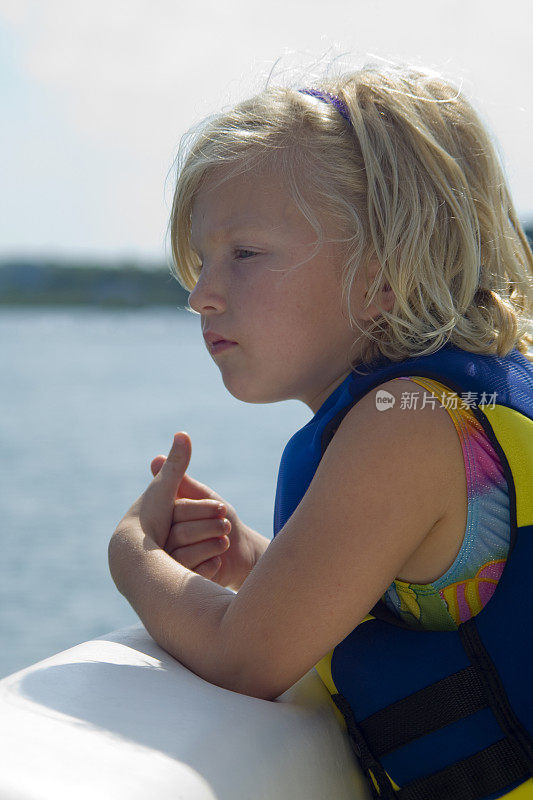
(260,287)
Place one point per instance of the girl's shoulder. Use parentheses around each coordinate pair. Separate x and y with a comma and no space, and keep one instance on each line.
(423,411)
(476,527)
(410,410)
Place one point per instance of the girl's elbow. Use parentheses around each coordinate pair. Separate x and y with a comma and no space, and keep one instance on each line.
(115,559)
(233,673)
(247,679)
(111,556)
(252,687)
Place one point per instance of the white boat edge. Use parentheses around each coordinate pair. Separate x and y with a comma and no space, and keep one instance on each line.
(118,717)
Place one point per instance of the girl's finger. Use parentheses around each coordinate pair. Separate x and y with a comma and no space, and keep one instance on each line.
(190,487)
(184,533)
(154,509)
(195,554)
(186,509)
(208,569)
(156,464)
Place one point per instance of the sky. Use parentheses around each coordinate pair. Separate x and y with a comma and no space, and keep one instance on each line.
(95,97)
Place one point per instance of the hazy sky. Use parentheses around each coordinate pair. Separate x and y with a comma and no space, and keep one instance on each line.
(95,96)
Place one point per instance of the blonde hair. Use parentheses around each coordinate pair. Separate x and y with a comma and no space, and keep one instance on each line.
(414,181)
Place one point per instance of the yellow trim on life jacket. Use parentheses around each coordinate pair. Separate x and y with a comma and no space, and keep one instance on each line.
(522,792)
(324,670)
(514,432)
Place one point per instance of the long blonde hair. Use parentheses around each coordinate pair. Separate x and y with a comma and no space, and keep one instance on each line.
(413,181)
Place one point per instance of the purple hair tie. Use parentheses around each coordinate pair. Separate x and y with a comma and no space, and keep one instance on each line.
(327,97)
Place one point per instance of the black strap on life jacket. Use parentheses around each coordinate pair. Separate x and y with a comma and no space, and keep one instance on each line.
(450,699)
(502,764)
(515,732)
(490,770)
(369,764)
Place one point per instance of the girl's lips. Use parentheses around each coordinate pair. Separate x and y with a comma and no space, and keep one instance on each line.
(218,347)
(212,337)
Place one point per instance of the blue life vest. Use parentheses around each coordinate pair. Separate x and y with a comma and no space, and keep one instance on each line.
(440,715)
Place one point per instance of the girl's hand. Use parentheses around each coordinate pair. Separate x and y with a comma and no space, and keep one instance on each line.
(153,512)
(207,539)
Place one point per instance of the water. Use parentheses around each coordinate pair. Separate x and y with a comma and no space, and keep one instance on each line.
(87,398)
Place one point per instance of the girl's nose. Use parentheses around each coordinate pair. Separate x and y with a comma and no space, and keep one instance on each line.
(207,294)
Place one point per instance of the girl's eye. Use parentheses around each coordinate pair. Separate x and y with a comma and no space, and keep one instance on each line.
(241,254)
(240,250)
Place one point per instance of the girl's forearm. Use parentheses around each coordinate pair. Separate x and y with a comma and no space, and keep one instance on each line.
(181,610)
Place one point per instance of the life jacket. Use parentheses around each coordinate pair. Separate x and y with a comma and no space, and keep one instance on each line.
(440,715)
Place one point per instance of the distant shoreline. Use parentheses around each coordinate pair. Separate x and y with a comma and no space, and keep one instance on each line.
(27,282)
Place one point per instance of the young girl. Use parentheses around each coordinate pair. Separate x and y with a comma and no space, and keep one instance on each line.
(355,247)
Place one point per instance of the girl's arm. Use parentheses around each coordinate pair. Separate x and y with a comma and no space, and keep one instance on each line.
(259,544)
(377,493)
(143,571)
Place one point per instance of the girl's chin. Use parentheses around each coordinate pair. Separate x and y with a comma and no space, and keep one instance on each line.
(248,392)
(246,395)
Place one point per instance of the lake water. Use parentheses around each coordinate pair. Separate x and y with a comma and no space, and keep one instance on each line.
(88,397)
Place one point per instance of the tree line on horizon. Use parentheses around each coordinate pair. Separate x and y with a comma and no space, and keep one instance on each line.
(45,282)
